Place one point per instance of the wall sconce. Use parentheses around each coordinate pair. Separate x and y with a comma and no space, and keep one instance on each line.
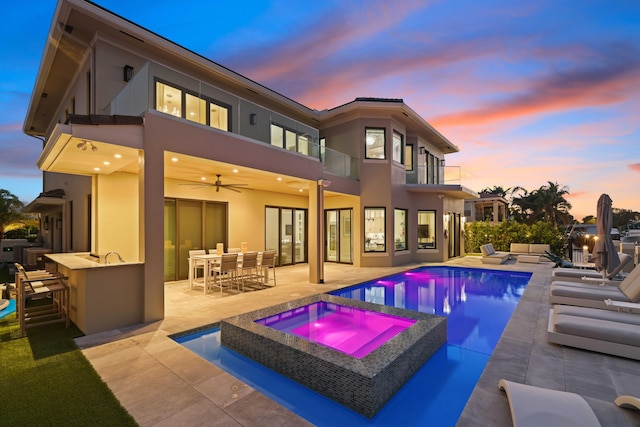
(59,224)
(45,224)
(253,118)
(442,162)
(422,150)
(127,73)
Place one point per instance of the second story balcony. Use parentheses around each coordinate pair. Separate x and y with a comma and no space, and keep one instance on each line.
(205,105)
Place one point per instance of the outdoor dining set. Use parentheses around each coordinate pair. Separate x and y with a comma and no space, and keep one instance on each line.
(237,268)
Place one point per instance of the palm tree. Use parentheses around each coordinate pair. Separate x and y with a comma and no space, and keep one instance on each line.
(544,204)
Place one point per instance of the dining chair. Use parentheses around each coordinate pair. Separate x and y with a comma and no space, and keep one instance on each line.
(267,262)
(195,265)
(225,271)
(248,267)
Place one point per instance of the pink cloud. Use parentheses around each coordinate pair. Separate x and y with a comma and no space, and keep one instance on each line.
(635,167)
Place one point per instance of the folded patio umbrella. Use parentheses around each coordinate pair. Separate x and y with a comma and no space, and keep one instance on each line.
(605,255)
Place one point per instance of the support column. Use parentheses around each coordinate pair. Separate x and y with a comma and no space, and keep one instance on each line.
(315,218)
(151,199)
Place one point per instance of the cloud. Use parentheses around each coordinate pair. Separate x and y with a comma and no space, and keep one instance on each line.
(603,83)
(635,167)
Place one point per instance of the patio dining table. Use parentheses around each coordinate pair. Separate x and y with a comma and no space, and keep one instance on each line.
(209,261)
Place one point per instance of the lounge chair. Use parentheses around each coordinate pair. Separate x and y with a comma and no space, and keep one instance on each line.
(587,295)
(603,331)
(534,407)
(572,274)
(491,256)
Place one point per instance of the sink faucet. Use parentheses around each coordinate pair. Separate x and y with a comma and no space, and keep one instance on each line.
(112,252)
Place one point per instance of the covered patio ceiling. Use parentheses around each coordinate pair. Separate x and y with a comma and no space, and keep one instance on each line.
(68,152)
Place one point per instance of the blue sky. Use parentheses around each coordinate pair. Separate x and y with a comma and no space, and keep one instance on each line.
(530,92)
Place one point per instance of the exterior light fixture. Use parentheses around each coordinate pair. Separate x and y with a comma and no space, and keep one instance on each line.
(422,150)
(84,144)
(253,119)
(127,73)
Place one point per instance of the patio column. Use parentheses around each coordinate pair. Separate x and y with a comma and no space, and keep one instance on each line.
(151,212)
(316,271)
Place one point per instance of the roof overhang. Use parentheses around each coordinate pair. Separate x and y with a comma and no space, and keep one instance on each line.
(43,205)
(398,110)
(92,149)
(445,190)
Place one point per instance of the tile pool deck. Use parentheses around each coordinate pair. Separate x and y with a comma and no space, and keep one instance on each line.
(162,383)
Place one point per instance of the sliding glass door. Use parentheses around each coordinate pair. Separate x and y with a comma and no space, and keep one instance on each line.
(339,245)
(190,225)
(285,233)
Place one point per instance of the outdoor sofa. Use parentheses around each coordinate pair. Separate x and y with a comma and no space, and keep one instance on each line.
(529,252)
(491,256)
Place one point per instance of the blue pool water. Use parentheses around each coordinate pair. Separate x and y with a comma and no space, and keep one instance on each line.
(478,303)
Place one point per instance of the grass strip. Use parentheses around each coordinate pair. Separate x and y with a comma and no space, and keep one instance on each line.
(47,381)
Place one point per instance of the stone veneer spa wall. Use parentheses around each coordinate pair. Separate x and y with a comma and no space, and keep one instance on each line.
(361,384)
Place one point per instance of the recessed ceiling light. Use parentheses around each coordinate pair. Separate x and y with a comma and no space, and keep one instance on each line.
(106,163)
(96,169)
(235,171)
(117,156)
(300,190)
(279,179)
(203,179)
(174,159)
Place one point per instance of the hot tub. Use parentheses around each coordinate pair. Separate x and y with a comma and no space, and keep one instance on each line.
(367,355)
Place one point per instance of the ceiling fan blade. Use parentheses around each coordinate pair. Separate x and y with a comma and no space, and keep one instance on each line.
(226,187)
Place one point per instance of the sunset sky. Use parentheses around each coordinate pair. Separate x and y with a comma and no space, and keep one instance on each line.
(530,92)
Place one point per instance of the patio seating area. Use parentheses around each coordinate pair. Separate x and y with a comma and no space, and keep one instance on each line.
(137,362)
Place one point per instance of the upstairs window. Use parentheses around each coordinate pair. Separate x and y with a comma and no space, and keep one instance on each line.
(374,143)
(408,157)
(396,151)
(188,105)
(284,137)
(168,99)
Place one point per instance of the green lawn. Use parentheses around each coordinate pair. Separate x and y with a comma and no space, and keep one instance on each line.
(46,380)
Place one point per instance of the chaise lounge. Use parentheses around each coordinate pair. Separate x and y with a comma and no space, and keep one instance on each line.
(491,256)
(535,406)
(576,274)
(589,294)
(604,331)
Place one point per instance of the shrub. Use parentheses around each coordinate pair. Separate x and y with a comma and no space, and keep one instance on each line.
(501,235)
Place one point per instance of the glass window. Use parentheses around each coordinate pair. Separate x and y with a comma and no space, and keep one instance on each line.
(400,229)
(374,143)
(303,144)
(218,117)
(168,99)
(290,138)
(374,230)
(397,147)
(277,135)
(408,157)
(196,109)
(426,229)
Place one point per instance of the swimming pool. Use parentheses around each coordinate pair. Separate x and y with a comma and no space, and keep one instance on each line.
(478,303)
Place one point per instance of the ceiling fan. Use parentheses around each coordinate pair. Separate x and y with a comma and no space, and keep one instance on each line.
(218,184)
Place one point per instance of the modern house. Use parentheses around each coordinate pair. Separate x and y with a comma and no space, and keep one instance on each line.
(156,150)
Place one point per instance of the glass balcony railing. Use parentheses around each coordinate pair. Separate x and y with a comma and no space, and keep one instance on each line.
(441,175)
(138,96)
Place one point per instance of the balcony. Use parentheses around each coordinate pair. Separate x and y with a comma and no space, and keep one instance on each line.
(138,96)
(441,175)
